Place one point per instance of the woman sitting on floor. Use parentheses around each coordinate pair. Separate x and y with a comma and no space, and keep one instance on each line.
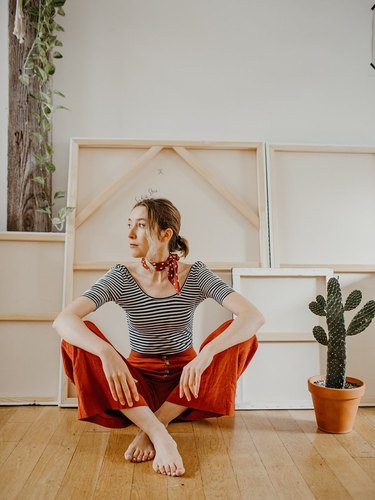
(163,378)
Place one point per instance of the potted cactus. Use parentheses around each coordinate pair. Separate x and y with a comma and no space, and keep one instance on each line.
(335,396)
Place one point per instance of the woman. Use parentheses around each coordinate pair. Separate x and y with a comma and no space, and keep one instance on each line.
(163,378)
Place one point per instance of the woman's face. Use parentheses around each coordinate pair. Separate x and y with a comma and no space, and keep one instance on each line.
(137,224)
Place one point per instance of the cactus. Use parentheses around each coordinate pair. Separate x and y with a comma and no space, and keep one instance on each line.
(333,309)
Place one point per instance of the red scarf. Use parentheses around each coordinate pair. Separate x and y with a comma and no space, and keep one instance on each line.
(171,263)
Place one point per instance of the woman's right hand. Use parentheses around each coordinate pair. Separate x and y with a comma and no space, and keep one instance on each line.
(121,383)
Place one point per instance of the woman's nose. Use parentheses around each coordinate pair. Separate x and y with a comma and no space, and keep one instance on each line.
(131,233)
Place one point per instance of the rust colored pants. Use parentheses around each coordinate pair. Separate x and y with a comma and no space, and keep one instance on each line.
(158,381)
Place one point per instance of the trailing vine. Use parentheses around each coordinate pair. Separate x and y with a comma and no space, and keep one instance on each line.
(39,65)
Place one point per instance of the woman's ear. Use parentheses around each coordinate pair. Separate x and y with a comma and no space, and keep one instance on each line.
(166,234)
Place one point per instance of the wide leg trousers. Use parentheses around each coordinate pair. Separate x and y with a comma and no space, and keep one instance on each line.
(157,381)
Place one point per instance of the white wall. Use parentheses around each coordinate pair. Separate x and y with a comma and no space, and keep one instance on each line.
(295,71)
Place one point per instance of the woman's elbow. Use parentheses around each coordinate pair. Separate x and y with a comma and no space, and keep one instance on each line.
(56,322)
(59,322)
(261,320)
(257,318)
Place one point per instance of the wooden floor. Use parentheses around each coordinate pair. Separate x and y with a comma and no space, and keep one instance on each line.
(45,453)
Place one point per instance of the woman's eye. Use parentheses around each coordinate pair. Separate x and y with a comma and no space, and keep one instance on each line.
(142,225)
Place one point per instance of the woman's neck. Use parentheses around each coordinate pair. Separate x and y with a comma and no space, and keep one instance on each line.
(158,257)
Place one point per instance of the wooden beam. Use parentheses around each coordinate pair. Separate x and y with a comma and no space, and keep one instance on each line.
(214,266)
(236,202)
(276,337)
(116,185)
(337,268)
(28,317)
(93,143)
(317,148)
(29,236)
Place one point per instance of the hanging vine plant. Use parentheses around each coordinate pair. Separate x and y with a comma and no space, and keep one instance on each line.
(39,65)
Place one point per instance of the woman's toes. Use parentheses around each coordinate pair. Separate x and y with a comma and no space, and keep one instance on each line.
(179,471)
(129,453)
(158,468)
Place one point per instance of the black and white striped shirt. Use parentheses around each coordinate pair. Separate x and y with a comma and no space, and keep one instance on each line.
(159,325)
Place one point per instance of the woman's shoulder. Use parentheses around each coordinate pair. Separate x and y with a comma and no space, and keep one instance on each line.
(193,270)
(198,265)
(119,269)
(191,266)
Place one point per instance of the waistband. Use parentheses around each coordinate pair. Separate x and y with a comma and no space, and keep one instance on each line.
(190,352)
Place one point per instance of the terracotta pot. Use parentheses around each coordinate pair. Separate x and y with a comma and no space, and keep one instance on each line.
(335,409)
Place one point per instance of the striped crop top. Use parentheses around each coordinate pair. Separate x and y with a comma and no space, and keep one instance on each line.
(159,325)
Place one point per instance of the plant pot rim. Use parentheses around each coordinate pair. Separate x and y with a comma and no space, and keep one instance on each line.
(330,390)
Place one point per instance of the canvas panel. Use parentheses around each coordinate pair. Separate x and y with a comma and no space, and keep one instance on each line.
(322,205)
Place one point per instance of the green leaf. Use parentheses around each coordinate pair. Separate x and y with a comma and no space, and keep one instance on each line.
(61,107)
(57,55)
(46,127)
(58,43)
(46,97)
(41,74)
(36,115)
(50,68)
(57,92)
(29,64)
(57,223)
(59,194)
(50,167)
(24,79)
(39,158)
(39,180)
(61,11)
(46,210)
(65,211)
(58,27)
(38,136)
(48,148)
(36,97)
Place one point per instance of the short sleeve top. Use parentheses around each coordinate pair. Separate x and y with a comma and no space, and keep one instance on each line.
(159,325)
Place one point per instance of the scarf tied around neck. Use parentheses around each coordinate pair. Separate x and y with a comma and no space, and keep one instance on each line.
(172,264)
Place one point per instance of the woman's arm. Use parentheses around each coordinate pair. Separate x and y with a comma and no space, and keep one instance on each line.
(70,326)
(248,321)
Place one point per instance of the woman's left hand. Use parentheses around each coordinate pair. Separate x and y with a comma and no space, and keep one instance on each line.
(191,374)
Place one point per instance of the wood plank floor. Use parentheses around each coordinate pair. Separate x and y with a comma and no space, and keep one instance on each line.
(45,453)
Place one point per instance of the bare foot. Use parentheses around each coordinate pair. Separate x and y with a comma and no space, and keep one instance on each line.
(140,449)
(167,460)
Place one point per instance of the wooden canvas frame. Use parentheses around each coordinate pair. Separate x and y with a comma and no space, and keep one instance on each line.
(22,315)
(184,150)
(271,161)
(280,337)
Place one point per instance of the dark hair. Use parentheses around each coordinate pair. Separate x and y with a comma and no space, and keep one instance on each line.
(162,214)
